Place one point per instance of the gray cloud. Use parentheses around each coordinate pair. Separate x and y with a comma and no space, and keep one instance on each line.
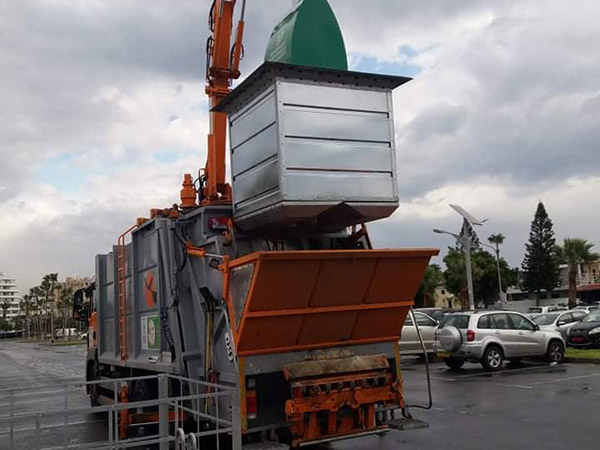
(506,95)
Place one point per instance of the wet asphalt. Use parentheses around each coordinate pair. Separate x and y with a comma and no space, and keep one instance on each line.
(532,406)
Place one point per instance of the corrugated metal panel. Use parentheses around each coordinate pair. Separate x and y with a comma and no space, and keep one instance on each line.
(302,142)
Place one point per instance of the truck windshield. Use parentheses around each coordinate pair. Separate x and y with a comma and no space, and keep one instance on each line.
(545,319)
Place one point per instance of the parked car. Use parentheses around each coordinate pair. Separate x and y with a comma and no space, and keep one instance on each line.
(559,321)
(492,337)
(586,334)
(435,313)
(409,342)
(545,309)
(587,309)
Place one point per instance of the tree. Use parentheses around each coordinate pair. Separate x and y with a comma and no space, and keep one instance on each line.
(26,307)
(4,305)
(485,275)
(432,279)
(574,252)
(497,240)
(47,285)
(65,303)
(540,266)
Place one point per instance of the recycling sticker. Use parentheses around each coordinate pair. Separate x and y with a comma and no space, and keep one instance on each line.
(150,332)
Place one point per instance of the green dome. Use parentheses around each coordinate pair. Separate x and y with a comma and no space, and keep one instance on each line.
(308,36)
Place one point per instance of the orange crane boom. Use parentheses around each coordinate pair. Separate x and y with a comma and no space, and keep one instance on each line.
(222,67)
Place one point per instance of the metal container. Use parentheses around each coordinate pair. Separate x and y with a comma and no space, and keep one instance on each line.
(312,149)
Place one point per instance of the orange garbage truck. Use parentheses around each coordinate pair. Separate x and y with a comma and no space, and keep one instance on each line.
(270,283)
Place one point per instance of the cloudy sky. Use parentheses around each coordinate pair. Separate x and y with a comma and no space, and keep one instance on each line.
(102,108)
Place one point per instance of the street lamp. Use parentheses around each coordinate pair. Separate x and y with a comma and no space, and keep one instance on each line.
(500,292)
(466,241)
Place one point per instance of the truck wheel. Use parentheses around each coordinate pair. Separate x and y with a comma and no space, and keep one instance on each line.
(492,358)
(556,352)
(454,363)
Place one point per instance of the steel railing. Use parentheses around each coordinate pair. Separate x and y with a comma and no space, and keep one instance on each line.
(57,416)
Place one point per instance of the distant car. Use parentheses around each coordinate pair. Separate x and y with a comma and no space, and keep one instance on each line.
(492,337)
(409,342)
(436,313)
(559,321)
(587,309)
(545,309)
(586,334)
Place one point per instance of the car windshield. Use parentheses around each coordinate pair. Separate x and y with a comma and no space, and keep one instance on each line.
(594,316)
(460,321)
(545,319)
(534,310)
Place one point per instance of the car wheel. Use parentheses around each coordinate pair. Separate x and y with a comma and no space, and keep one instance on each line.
(454,363)
(556,352)
(492,358)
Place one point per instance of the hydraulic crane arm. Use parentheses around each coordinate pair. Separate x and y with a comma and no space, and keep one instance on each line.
(222,67)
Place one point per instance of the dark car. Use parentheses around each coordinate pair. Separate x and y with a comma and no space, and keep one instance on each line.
(586,333)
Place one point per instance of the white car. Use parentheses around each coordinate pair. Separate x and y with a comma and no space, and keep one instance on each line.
(409,342)
(560,321)
(492,337)
(545,309)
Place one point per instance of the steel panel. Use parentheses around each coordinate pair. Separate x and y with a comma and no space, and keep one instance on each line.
(307,154)
(257,181)
(335,125)
(320,96)
(339,186)
(255,119)
(254,151)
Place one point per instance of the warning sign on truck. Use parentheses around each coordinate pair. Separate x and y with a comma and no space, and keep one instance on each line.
(150,332)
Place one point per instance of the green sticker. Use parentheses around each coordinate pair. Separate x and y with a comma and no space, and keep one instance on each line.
(150,333)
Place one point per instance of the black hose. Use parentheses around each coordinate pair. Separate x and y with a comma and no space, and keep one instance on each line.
(405,411)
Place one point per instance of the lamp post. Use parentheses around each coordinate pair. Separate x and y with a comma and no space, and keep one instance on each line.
(466,241)
(500,292)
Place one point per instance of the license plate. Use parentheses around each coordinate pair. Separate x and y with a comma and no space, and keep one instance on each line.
(578,339)
(443,354)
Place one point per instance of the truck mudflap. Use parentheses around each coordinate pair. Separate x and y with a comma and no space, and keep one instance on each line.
(288,301)
(336,398)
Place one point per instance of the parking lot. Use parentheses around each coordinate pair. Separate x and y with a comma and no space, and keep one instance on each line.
(532,406)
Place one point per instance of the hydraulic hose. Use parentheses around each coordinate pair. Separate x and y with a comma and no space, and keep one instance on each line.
(405,411)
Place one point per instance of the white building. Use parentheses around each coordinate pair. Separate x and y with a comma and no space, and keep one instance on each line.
(9,293)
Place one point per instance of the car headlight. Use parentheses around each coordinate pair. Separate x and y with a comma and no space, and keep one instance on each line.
(594,330)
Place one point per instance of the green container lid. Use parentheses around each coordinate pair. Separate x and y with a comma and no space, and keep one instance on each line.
(308,36)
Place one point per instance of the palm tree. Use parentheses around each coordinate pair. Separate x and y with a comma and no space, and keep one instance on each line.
(65,303)
(573,252)
(25,306)
(497,240)
(36,295)
(47,285)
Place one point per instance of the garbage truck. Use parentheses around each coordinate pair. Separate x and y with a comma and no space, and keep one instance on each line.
(270,282)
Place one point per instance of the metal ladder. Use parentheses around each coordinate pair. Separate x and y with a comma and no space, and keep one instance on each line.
(122,291)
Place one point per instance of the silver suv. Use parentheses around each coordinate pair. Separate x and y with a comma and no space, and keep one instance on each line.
(490,337)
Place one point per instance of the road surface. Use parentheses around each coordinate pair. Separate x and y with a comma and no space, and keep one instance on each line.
(530,407)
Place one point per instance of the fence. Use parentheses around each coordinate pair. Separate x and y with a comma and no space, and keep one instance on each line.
(58,416)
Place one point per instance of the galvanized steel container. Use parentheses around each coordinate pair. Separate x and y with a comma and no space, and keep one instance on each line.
(312,149)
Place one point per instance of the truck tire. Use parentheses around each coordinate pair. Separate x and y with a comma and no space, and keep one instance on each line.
(493,357)
(555,352)
(454,363)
